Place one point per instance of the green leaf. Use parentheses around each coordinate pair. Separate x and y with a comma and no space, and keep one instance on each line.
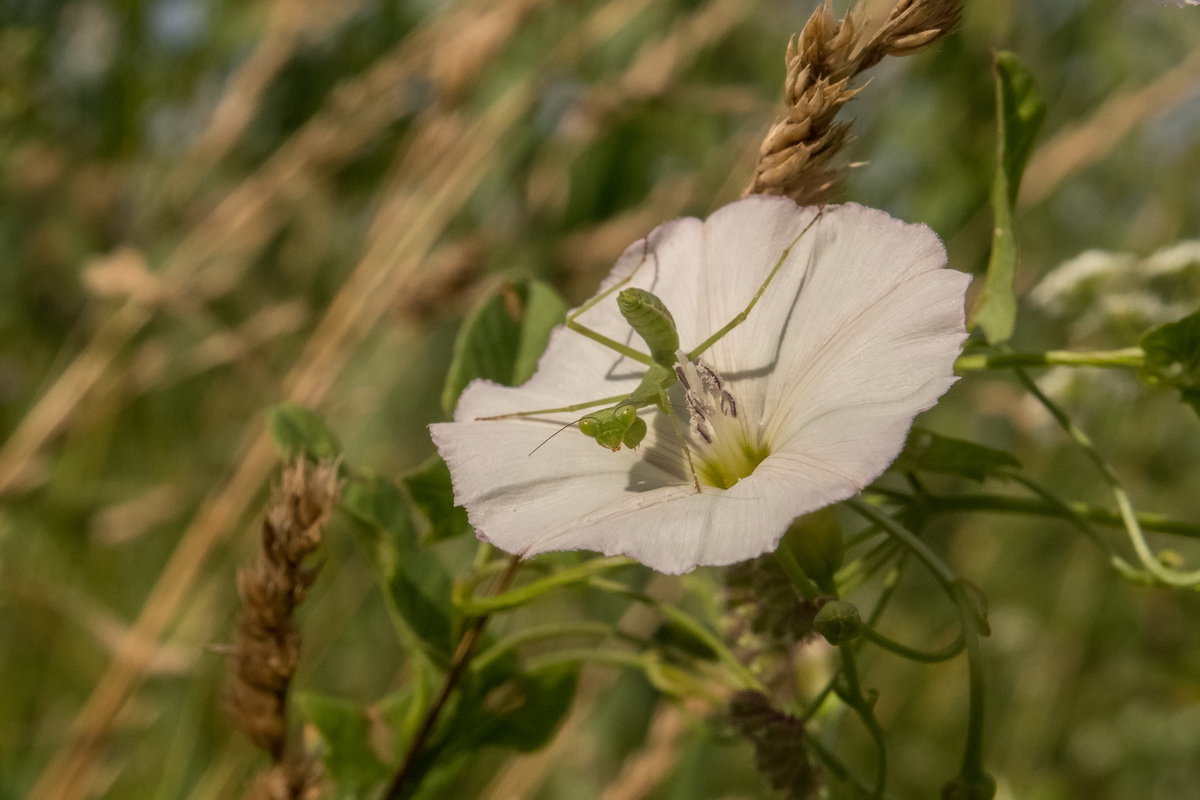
(1021,109)
(931,452)
(545,696)
(1019,112)
(351,763)
(504,336)
(429,487)
(300,431)
(520,713)
(1172,353)
(415,582)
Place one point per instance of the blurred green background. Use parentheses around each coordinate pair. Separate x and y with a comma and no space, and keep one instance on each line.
(210,207)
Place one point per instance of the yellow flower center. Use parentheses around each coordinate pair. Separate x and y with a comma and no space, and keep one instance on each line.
(725,465)
(724,452)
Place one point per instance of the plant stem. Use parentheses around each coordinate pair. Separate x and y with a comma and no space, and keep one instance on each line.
(549,631)
(928,657)
(971,621)
(744,677)
(504,600)
(1124,358)
(945,576)
(834,765)
(595,655)
(1115,558)
(458,666)
(1160,572)
(890,582)
(804,585)
(866,712)
(962,503)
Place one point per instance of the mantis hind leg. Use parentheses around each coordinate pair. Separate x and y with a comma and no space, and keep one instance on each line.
(603,401)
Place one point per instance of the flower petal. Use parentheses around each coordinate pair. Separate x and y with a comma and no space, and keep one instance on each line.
(855,335)
(617,503)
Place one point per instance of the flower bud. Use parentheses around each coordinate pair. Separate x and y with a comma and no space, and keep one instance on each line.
(976,787)
(839,622)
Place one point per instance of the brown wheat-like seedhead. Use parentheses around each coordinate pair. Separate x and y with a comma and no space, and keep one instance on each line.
(796,157)
(266,648)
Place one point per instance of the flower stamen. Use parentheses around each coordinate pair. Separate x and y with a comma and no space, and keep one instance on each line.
(705,394)
(727,456)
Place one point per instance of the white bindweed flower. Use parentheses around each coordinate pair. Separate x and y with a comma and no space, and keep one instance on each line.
(801,406)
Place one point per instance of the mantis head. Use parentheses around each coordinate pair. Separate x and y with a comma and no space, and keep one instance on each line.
(613,427)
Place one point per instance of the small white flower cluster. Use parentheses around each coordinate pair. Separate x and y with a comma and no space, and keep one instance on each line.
(1078,281)
(1103,298)
(1173,260)
(1101,292)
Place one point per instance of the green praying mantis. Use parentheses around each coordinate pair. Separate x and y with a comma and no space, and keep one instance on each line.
(618,424)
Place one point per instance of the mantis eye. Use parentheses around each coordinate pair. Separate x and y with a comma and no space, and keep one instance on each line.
(589,427)
(626,415)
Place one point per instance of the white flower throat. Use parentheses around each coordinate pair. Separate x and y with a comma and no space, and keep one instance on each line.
(727,455)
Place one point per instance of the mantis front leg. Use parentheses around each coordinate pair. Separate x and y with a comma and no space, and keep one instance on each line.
(611,344)
(600,338)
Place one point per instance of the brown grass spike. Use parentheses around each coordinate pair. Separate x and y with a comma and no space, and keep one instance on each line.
(796,157)
(267,641)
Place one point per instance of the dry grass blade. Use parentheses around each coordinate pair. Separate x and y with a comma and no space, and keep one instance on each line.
(213,256)
(645,771)
(796,157)
(389,265)
(658,64)
(288,24)
(1085,144)
(656,70)
(405,229)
